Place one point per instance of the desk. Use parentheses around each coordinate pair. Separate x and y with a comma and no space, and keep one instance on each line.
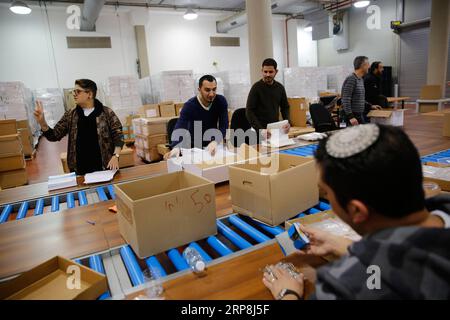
(398,99)
(239,278)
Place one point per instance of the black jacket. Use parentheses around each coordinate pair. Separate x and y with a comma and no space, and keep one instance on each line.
(373,87)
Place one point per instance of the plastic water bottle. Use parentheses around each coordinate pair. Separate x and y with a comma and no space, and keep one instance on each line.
(194,259)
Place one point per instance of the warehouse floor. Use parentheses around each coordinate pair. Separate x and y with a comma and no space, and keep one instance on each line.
(425,132)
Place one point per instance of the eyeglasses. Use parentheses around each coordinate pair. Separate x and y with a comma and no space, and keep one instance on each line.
(77,91)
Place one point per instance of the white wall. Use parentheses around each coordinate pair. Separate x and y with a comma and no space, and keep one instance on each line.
(176,44)
(376,44)
(35,51)
(307,48)
(28,54)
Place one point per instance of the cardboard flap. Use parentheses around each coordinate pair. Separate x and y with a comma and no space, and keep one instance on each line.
(10,137)
(380,114)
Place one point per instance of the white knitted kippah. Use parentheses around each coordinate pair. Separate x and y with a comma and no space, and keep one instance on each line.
(353,140)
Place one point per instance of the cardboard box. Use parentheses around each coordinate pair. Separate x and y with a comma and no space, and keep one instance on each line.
(164,212)
(215,169)
(147,142)
(297,111)
(327,221)
(153,126)
(150,111)
(8,127)
(12,179)
(275,192)
(151,154)
(49,281)
(23,124)
(9,162)
(297,131)
(387,117)
(65,166)
(27,145)
(167,110)
(10,144)
(446,127)
(126,158)
(178,107)
(428,107)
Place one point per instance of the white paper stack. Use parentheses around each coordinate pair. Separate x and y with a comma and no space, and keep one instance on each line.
(99,176)
(278,137)
(62,181)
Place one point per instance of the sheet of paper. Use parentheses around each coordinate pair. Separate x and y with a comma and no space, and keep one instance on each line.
(62,181)
(99,176)
(278,138)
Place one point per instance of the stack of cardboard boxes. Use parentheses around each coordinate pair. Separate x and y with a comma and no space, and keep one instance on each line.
(12,161)
(150,132)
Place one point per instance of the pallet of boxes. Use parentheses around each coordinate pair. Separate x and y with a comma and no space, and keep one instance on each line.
(12,158)
(151,130)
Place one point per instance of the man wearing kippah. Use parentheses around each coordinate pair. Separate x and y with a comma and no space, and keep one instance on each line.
(403,253)
(353,94)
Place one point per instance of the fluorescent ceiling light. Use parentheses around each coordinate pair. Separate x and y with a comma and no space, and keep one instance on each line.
(19,7)
(308,29)
(361,4)
(190,14)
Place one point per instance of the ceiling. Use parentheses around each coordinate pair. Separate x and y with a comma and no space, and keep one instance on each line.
(292,7)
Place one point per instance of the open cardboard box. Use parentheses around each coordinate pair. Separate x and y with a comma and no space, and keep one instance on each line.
(327,221)
(164,212)
(387,117)
(275,188)
(216,170)
(51,280)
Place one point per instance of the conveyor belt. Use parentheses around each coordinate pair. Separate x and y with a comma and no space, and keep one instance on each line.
(56,203)
(436,157)
(236,235)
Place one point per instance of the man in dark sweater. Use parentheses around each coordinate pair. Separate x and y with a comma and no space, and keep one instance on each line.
(373,85)
(353,94)
(266,99)
(202,114)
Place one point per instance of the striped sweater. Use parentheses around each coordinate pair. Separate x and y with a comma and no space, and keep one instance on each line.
(353,96)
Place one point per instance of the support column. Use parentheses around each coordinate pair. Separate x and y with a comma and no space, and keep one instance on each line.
(259,15)
(292,38)
(438,44)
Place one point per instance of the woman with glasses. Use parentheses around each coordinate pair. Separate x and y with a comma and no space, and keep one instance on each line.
(95,132)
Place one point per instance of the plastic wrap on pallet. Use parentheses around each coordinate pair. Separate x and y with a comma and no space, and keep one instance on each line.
(305,81)
(17,102)
(336,76)
(145,90)
(53,103)
(176,86)
(237,85)
(122,92)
